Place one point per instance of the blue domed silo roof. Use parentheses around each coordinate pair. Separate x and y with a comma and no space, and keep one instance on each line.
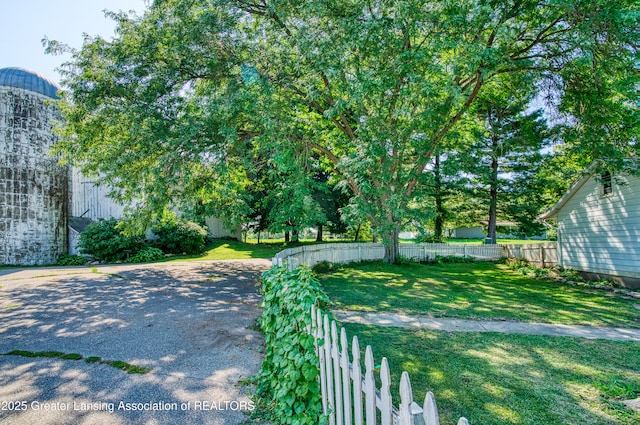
(27,79)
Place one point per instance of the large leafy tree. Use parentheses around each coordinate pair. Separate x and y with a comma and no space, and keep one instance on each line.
(376,87)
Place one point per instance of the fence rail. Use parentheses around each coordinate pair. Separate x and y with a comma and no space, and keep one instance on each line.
(350,397)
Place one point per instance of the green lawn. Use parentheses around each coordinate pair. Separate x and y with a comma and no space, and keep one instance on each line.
(480,290)
(497,379)
(492,378)
(229,249)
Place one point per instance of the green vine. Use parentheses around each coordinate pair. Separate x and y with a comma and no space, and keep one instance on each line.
(288,381)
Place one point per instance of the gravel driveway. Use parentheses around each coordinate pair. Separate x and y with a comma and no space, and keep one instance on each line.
(190,323)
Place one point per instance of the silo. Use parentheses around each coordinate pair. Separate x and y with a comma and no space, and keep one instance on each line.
(33,187)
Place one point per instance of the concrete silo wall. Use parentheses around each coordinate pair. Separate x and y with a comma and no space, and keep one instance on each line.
(33,187)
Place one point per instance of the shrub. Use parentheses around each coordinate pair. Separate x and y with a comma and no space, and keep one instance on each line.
(422,238)
(516,263)
(288,381)
(571,274)
(178,236)
(405,261)
(104,241)
(147,255)
(323,267)
(443,259)
(454,259)
(539,272)
(72,260)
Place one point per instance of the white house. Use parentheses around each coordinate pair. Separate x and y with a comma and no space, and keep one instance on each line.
(599,226)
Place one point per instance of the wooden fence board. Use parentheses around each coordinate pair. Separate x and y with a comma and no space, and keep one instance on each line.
(344,387)
(357,382)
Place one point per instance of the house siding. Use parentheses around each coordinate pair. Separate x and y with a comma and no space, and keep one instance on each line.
(601,233)
(469,233)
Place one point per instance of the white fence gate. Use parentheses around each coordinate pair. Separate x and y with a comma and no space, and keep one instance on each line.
(350,397)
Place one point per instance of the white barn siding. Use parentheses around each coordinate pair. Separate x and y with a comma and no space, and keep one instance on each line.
(216,229)
(90,200)
(601,233)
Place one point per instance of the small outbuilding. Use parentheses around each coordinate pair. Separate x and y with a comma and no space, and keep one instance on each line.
(598,222)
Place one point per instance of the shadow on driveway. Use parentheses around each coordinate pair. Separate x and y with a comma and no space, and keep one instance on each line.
(191,323)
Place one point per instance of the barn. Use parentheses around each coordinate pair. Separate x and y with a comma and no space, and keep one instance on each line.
(598,222)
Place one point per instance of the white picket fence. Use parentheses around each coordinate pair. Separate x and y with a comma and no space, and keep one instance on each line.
(350,397)
(538,254)
(335,253)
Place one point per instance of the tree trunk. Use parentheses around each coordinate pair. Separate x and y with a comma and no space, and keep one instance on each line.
(319,235)
(440,213)
(392,246)
(287,238)
(258,236)
(295,235)
(493,196)
(357,234)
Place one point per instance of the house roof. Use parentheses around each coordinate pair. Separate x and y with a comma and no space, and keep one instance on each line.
(501,223)
(553,212)
(78,224)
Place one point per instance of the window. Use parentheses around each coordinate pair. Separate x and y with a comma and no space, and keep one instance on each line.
(607,188)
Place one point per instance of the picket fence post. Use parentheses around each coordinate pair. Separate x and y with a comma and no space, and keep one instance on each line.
(343,386)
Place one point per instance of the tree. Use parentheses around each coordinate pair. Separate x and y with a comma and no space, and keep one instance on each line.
(508,152)
(375,87)
(438,195)
(331,200)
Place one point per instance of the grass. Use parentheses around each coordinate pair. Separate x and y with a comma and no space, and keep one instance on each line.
(118,364)
(479,290)
(492,378)
(497,379)
(229,249)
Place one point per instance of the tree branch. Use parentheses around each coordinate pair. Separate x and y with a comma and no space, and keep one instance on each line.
(424,159)
(541,36)
(334,159)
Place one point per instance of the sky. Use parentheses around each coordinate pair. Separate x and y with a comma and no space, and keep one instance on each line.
(24,23)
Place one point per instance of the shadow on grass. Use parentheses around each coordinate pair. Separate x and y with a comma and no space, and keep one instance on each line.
(231,249)
(495,379)
(486,291)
